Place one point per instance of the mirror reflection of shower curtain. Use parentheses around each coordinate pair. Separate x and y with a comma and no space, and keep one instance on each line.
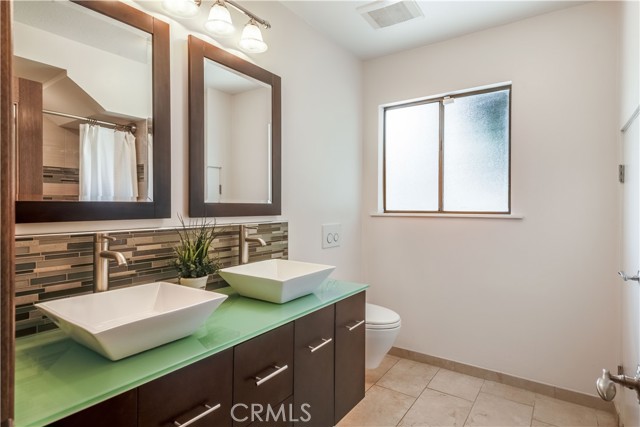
(107,164)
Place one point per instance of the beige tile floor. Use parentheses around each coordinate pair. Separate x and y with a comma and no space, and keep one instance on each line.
(405,393)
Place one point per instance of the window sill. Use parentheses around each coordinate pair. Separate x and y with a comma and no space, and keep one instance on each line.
(447,215)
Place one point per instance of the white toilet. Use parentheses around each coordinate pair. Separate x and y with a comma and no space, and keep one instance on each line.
(383,326)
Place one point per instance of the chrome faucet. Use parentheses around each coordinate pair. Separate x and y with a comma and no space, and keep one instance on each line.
(244,242)
(101,257)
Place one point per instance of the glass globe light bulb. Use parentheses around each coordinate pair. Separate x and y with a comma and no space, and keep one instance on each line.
(251,40)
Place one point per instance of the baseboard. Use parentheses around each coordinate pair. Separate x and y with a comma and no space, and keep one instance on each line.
(499,377)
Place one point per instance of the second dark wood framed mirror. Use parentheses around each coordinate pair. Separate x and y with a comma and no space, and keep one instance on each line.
(67,93)
(234,135)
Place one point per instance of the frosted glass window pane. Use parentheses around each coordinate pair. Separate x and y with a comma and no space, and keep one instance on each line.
(412,158)
(476,153)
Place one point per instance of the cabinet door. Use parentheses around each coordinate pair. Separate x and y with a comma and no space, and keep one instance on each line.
(201,388)
(313,374)
(263,369)
(349,360)
(118,411)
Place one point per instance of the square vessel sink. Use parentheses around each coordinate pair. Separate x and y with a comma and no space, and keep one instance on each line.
(276,280)
(124,322)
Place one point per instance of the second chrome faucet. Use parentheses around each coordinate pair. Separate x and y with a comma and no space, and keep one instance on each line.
(244,242)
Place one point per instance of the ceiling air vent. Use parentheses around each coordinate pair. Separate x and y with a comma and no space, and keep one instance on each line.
(385,13)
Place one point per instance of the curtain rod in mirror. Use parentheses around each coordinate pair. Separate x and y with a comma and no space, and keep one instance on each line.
(130,127)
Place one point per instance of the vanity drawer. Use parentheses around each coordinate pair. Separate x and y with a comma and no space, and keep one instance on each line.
(183,394)
(263,369)
(313,374)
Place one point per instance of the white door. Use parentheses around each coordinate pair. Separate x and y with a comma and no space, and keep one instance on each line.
(628,399)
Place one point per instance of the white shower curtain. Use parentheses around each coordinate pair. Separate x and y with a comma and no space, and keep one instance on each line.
(107,164)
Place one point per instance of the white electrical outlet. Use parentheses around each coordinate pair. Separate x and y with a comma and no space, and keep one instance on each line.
(331,235)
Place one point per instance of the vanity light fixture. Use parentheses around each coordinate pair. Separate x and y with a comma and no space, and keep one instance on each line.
(219,23)
(183,8)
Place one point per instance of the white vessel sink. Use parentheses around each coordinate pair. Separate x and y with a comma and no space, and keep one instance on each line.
(276,280)
(124,322)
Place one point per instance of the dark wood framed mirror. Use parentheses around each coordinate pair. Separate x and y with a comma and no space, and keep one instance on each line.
(234,135)
(157,201)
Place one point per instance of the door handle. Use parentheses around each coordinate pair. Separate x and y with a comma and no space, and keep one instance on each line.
(626,278)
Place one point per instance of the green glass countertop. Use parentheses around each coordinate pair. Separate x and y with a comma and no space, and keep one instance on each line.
(56,377)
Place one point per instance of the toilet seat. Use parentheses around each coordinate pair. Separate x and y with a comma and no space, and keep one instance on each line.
(378,317)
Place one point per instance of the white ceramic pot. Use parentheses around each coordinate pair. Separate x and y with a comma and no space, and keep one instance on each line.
(194,282)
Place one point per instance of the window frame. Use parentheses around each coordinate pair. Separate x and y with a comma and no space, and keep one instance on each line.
(440,99)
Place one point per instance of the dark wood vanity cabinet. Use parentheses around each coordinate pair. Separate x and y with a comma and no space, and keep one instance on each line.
(309,372)
(201,388)
(313,369)
(349,353)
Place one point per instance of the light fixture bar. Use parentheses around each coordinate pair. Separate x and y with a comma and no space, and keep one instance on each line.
(249,14)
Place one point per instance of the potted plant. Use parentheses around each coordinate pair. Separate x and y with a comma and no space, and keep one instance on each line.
(193,263)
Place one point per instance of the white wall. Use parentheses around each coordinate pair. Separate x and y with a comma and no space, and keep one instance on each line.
(629,60)
(237,128)
(321,140)
(249,145)
(218,134)
(535,297)
(321,133)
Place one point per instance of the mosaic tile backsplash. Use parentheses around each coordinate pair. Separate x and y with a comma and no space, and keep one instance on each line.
(56,266)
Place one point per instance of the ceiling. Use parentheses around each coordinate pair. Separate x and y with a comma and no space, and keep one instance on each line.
(341,22)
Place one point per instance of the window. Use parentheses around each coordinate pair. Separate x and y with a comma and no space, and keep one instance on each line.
(449,154)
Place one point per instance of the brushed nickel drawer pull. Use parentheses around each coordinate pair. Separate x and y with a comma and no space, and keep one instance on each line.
(351,328)
(278,371)
(325,341)
(209,410)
